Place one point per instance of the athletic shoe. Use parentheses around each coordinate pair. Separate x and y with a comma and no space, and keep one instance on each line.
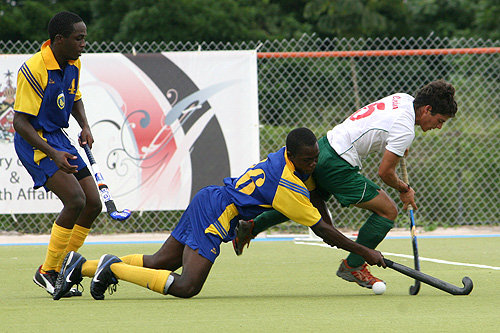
(47,281)
(243,236)
(104,277)
(361,275)
(71,274)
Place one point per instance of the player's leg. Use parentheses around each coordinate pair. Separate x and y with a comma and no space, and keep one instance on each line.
(381,205)
(169,256)
(108,269)
(202,228)
(69,191)
(92,209)
(93,204)
(195,270)
(90,266)
(187,284)
(333,175)
(373,231)
(376,226)
(67,188)
(195,230)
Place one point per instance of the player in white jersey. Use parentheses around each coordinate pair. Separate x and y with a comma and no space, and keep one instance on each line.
(386,126)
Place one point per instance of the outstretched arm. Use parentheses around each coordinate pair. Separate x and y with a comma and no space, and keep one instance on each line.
(333,237)
(320,205)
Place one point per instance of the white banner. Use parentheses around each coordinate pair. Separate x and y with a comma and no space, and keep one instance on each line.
(165,125)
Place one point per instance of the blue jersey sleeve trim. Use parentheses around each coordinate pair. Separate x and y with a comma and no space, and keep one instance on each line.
(294,187)
(31,80)
(316,223)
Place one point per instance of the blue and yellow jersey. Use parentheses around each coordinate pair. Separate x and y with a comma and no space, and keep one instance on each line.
(274,184)
(46,91)
(214,212)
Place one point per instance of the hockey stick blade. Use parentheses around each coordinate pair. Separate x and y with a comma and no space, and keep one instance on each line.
(432,281)
(104,190)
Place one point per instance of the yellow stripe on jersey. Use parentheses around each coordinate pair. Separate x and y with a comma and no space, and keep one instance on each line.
(292,199)
(222,225)
(38,155)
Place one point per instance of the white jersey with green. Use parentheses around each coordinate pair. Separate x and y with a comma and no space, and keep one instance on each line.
(387,124)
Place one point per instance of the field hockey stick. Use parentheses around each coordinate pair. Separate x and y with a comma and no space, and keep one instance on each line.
(414,289)
(430,280)
(104,190)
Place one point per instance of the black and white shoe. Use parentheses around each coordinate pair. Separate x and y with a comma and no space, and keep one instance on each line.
(71,274)
(47,281)
(104,277)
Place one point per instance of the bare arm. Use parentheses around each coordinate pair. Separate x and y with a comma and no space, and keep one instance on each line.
(333,237)
(78,112)
(387,172)
(24,128)
(320,205)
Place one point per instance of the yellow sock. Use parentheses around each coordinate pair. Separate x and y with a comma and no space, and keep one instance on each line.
(78,236)
(134,259)
(59,238)
(153,279)
(90,266)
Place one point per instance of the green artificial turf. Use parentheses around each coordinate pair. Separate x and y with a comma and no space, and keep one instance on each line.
(275,286)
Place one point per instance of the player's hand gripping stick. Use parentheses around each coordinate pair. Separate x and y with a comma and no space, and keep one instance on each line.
(104,190)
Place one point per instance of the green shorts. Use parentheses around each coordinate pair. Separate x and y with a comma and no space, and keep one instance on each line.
(334,176)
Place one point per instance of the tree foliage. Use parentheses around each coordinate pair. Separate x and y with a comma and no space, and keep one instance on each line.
(250,20)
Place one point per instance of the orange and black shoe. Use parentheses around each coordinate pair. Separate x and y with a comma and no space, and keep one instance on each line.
(361,275)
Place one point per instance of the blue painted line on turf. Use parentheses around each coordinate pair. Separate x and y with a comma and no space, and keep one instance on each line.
(444,236)
(263,239)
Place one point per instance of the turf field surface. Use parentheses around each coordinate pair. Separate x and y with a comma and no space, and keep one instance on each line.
(274,286)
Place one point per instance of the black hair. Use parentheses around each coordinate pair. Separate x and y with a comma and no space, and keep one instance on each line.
(438,94)
(62,24)
(298,138)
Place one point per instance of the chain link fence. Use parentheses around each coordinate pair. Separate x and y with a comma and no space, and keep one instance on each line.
(455,171)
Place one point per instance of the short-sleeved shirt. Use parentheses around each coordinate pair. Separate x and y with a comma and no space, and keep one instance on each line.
(46,91)
(387,124)
(274,184)
(214,212)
